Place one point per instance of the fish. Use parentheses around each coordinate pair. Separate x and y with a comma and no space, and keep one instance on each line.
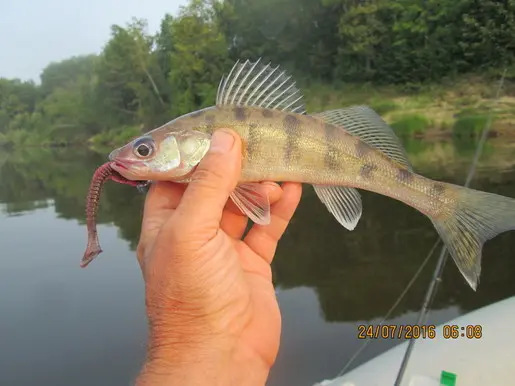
(102,174)
(338,152)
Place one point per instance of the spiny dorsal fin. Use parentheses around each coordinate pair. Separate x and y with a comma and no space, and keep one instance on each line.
(256,84)
(366,124)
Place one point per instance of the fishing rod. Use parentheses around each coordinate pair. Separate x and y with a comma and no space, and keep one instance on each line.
(440,265)
(392,308)
(432,289)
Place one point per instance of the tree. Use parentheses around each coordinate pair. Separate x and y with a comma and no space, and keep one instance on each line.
(198,58)
(130,78)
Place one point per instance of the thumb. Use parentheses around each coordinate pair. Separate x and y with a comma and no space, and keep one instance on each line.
(212,182)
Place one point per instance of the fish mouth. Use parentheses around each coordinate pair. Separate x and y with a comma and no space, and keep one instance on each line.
(119,165)
(124,167)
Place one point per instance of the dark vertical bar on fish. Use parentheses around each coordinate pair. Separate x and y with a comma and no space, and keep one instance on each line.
(102,174)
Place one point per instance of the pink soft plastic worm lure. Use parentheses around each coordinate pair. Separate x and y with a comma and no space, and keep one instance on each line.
(102,174)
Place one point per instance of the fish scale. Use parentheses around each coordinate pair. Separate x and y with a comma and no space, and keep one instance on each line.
(286,146)
(336,151)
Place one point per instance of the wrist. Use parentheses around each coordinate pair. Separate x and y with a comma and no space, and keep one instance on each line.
(216,363)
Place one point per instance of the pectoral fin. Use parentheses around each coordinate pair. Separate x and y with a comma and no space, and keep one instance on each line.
(343,203)
(252,200)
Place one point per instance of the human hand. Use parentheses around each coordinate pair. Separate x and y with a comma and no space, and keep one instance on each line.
(211,305)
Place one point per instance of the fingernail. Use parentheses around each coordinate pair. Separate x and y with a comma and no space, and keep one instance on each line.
(221,142)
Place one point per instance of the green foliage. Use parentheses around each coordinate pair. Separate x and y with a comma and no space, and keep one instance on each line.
(383,106)
(414,146)
(130,81)
(65,73)
(17,100)
(336,49)
(410,124)
(469,125)
(195,73)
(115,137)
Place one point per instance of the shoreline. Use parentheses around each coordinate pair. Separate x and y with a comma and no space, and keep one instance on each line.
(503,130)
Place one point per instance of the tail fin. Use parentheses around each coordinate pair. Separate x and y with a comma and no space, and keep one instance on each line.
(477,217)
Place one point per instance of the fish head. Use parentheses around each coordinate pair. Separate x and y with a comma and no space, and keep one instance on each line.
(166,154)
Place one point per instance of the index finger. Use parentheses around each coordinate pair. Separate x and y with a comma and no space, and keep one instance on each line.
(263,239)
(163,196)
(162,199)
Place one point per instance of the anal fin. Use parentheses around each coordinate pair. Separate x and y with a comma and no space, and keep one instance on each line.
(342,202)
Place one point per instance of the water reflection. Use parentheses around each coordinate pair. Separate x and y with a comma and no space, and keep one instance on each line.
(346,276)
(35,178)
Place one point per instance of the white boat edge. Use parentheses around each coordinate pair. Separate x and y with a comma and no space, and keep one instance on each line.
(485,361)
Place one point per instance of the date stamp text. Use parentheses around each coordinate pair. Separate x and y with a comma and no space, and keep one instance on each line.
(415,331)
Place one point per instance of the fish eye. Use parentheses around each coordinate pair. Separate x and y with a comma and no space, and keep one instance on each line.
(143,147)
(143,150)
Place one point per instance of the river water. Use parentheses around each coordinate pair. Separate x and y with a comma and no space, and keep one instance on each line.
(61,325)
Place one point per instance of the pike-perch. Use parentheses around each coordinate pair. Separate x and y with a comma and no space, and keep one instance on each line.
(337,151)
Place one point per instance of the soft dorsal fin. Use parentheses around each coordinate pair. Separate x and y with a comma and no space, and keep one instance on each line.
(366,124)
(256,84)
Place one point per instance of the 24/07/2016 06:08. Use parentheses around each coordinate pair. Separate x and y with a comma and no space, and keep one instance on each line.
(408,331)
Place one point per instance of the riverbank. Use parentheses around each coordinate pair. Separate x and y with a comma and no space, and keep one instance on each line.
(460,108)
(456,109)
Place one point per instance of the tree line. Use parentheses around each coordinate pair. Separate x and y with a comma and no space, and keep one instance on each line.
(141,80)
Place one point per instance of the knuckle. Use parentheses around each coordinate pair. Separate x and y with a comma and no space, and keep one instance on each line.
(180,237)
(212,175)
(140,250)
(188,238)
(209,182)
(175,233)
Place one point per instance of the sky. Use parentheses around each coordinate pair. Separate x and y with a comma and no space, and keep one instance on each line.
(34,33)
